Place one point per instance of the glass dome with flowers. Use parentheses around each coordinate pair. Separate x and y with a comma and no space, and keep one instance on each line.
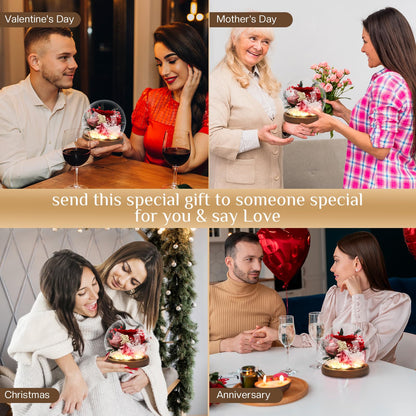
(300,99)
(346,355)
(105,121)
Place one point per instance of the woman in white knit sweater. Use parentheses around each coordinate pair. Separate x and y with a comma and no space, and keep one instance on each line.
(132,278)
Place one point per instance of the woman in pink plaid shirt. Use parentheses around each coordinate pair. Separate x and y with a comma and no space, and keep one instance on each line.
(382,126)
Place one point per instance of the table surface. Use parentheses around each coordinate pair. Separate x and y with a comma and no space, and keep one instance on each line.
(388,389)
(117,172)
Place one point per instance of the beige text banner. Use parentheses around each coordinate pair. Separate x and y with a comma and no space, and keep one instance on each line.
(207,208)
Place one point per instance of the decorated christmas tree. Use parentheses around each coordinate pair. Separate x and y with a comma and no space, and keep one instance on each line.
(175,330)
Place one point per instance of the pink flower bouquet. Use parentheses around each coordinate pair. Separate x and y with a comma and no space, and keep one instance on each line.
(332,81)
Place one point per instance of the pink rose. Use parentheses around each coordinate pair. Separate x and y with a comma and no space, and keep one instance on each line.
(340,74)
(328,87)
(340,85)
(324,65)
(349,81)
(314,66)
(317,76)
(346,71)
(333,78)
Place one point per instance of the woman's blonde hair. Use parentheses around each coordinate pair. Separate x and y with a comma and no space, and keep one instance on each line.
(267,80)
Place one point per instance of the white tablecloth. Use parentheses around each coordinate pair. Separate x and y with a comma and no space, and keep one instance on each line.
(388,390)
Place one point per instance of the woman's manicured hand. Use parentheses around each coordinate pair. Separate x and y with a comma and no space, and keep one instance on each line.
(353,285)
(136,383)
(108,367)
(191,84)
(73,393)
(298,130)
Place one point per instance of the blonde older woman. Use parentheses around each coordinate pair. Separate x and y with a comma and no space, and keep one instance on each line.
(247,131)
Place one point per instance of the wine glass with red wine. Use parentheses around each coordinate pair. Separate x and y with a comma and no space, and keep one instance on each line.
(75,155)
(176,150)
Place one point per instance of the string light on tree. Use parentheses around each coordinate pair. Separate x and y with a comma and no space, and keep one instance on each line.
(176,332)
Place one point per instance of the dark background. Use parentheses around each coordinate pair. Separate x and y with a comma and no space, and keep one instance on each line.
(105,40)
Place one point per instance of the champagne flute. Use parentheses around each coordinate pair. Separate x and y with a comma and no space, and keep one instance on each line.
(316,331)
(286,336)
(176,151)
(75,155)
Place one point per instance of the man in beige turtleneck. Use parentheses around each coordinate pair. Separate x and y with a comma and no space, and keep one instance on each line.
(240,304)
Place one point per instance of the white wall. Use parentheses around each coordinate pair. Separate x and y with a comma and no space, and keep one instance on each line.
(23,252)
(200,315)
(321,31)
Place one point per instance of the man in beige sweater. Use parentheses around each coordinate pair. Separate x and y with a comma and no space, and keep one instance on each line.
(240,304)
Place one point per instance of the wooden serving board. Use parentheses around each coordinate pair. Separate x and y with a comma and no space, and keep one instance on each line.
(350,373)
(131,363)
(298,389)
(297,120)
(102,143)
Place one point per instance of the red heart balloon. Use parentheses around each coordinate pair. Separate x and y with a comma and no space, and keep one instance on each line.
(410,238)
(285,250)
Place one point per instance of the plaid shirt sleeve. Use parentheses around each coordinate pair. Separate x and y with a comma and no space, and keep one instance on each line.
(387,96)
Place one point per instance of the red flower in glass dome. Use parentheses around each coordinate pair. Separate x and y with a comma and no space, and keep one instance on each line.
(350,338)
(112,116)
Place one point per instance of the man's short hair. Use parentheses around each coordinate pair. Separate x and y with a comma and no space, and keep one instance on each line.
(235,238)
(36,34)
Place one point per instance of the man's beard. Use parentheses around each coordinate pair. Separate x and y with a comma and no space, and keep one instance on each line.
(57,80)
(244,277)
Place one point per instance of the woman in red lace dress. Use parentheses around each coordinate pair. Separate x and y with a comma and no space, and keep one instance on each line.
(181,105)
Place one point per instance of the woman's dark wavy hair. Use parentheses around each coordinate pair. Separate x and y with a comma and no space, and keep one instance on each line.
(186,42)
(60,280)
(394,42)
(366,247)
(148,293)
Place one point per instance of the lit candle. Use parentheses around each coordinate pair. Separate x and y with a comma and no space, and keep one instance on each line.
(248,376)
(282,382)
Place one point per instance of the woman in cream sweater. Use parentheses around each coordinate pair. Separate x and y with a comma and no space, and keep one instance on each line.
(132,278)
(72,287)
(247,131)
